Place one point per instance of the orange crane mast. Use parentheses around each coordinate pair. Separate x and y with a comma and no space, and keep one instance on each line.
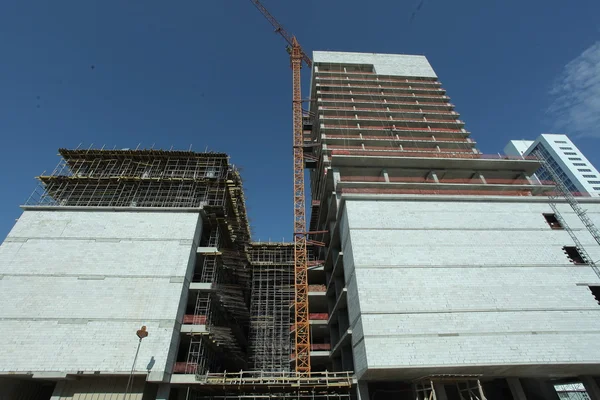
(301,322)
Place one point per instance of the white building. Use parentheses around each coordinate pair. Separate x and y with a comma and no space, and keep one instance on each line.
(577,172)
(441,260)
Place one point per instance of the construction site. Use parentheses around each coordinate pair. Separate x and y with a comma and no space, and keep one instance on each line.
(421,268)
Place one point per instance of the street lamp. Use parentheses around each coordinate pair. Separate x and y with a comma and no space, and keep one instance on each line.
(141,333)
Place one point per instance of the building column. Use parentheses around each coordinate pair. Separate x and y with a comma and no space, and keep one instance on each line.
(163,391)
(591,386)
(516,389)
(58,389)
(440,391)
(542,389)
(362,391)
(433,175)
(385,175)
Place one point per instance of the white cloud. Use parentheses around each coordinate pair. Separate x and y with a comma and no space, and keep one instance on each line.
(576,93)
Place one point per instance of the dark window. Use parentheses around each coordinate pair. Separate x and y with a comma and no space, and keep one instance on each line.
(573,254)
(553,221)
(574,159)
(559,141)
(596,292)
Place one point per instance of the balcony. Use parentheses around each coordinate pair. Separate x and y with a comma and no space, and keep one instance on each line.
(358,88)
(379,96)
(390,123)
(407,111)
(426,142)
(376,130)
(388,103)
(430,185)
(325,79)
(396,158)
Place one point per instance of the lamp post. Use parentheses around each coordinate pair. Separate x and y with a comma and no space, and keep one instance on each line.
(141,333)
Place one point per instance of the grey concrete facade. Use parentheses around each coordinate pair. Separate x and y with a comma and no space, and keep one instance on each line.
(459,287)
(76,286)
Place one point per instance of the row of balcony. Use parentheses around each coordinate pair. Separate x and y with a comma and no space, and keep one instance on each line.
(323,79)
(362,87)
(322,72)
(387,120)
(380,96)
(407,103)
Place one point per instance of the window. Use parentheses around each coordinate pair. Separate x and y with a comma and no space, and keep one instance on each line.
(594,182)
(566,148)
(595,292)
(552,221)
(570,153)
(589,176)
(579,164)
(596,188)
(574,255)
(574,159)
(560,141)
(584,170)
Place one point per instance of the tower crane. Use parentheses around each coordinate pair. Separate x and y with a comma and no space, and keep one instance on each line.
(301,321)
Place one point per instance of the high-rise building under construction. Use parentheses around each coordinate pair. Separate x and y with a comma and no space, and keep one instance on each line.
(436,271)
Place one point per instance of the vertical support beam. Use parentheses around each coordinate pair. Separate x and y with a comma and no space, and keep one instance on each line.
(163,391)
(362,391)
(540,388)
(481,177)
(440,391)
(591,387)
(516,389)
(385,175)
(433,175)
(58,389)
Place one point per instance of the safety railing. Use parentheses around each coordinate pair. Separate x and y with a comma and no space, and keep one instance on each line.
(408,149)
(385,110)
(391,128)
(409,95)
(406,103)
(401,138)
(376,79)
(430,154)
(386,119)
(357,85)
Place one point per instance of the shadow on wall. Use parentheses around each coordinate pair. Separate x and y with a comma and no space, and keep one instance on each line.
(25,389)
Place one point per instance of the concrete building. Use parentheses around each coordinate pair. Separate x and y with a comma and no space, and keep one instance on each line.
(576,171)
(435,270)
(440,260)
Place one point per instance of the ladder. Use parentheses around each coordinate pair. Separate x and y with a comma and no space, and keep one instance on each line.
(563,191)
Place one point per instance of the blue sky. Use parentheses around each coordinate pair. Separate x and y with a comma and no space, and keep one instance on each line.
(213,75)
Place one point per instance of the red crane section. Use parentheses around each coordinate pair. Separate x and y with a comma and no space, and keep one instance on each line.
(301,322)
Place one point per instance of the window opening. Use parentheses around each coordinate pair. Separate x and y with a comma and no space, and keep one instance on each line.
(553,221)
(596,292)
(574,255)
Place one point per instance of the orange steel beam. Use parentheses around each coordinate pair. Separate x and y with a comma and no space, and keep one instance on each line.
(301,322)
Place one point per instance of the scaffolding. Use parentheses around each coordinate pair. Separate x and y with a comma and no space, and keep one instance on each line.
(255,385)
(271,300)
(136,178)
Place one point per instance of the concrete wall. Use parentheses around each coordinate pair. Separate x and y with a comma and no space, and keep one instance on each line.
(472,287)
(76,285)
(384,64)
